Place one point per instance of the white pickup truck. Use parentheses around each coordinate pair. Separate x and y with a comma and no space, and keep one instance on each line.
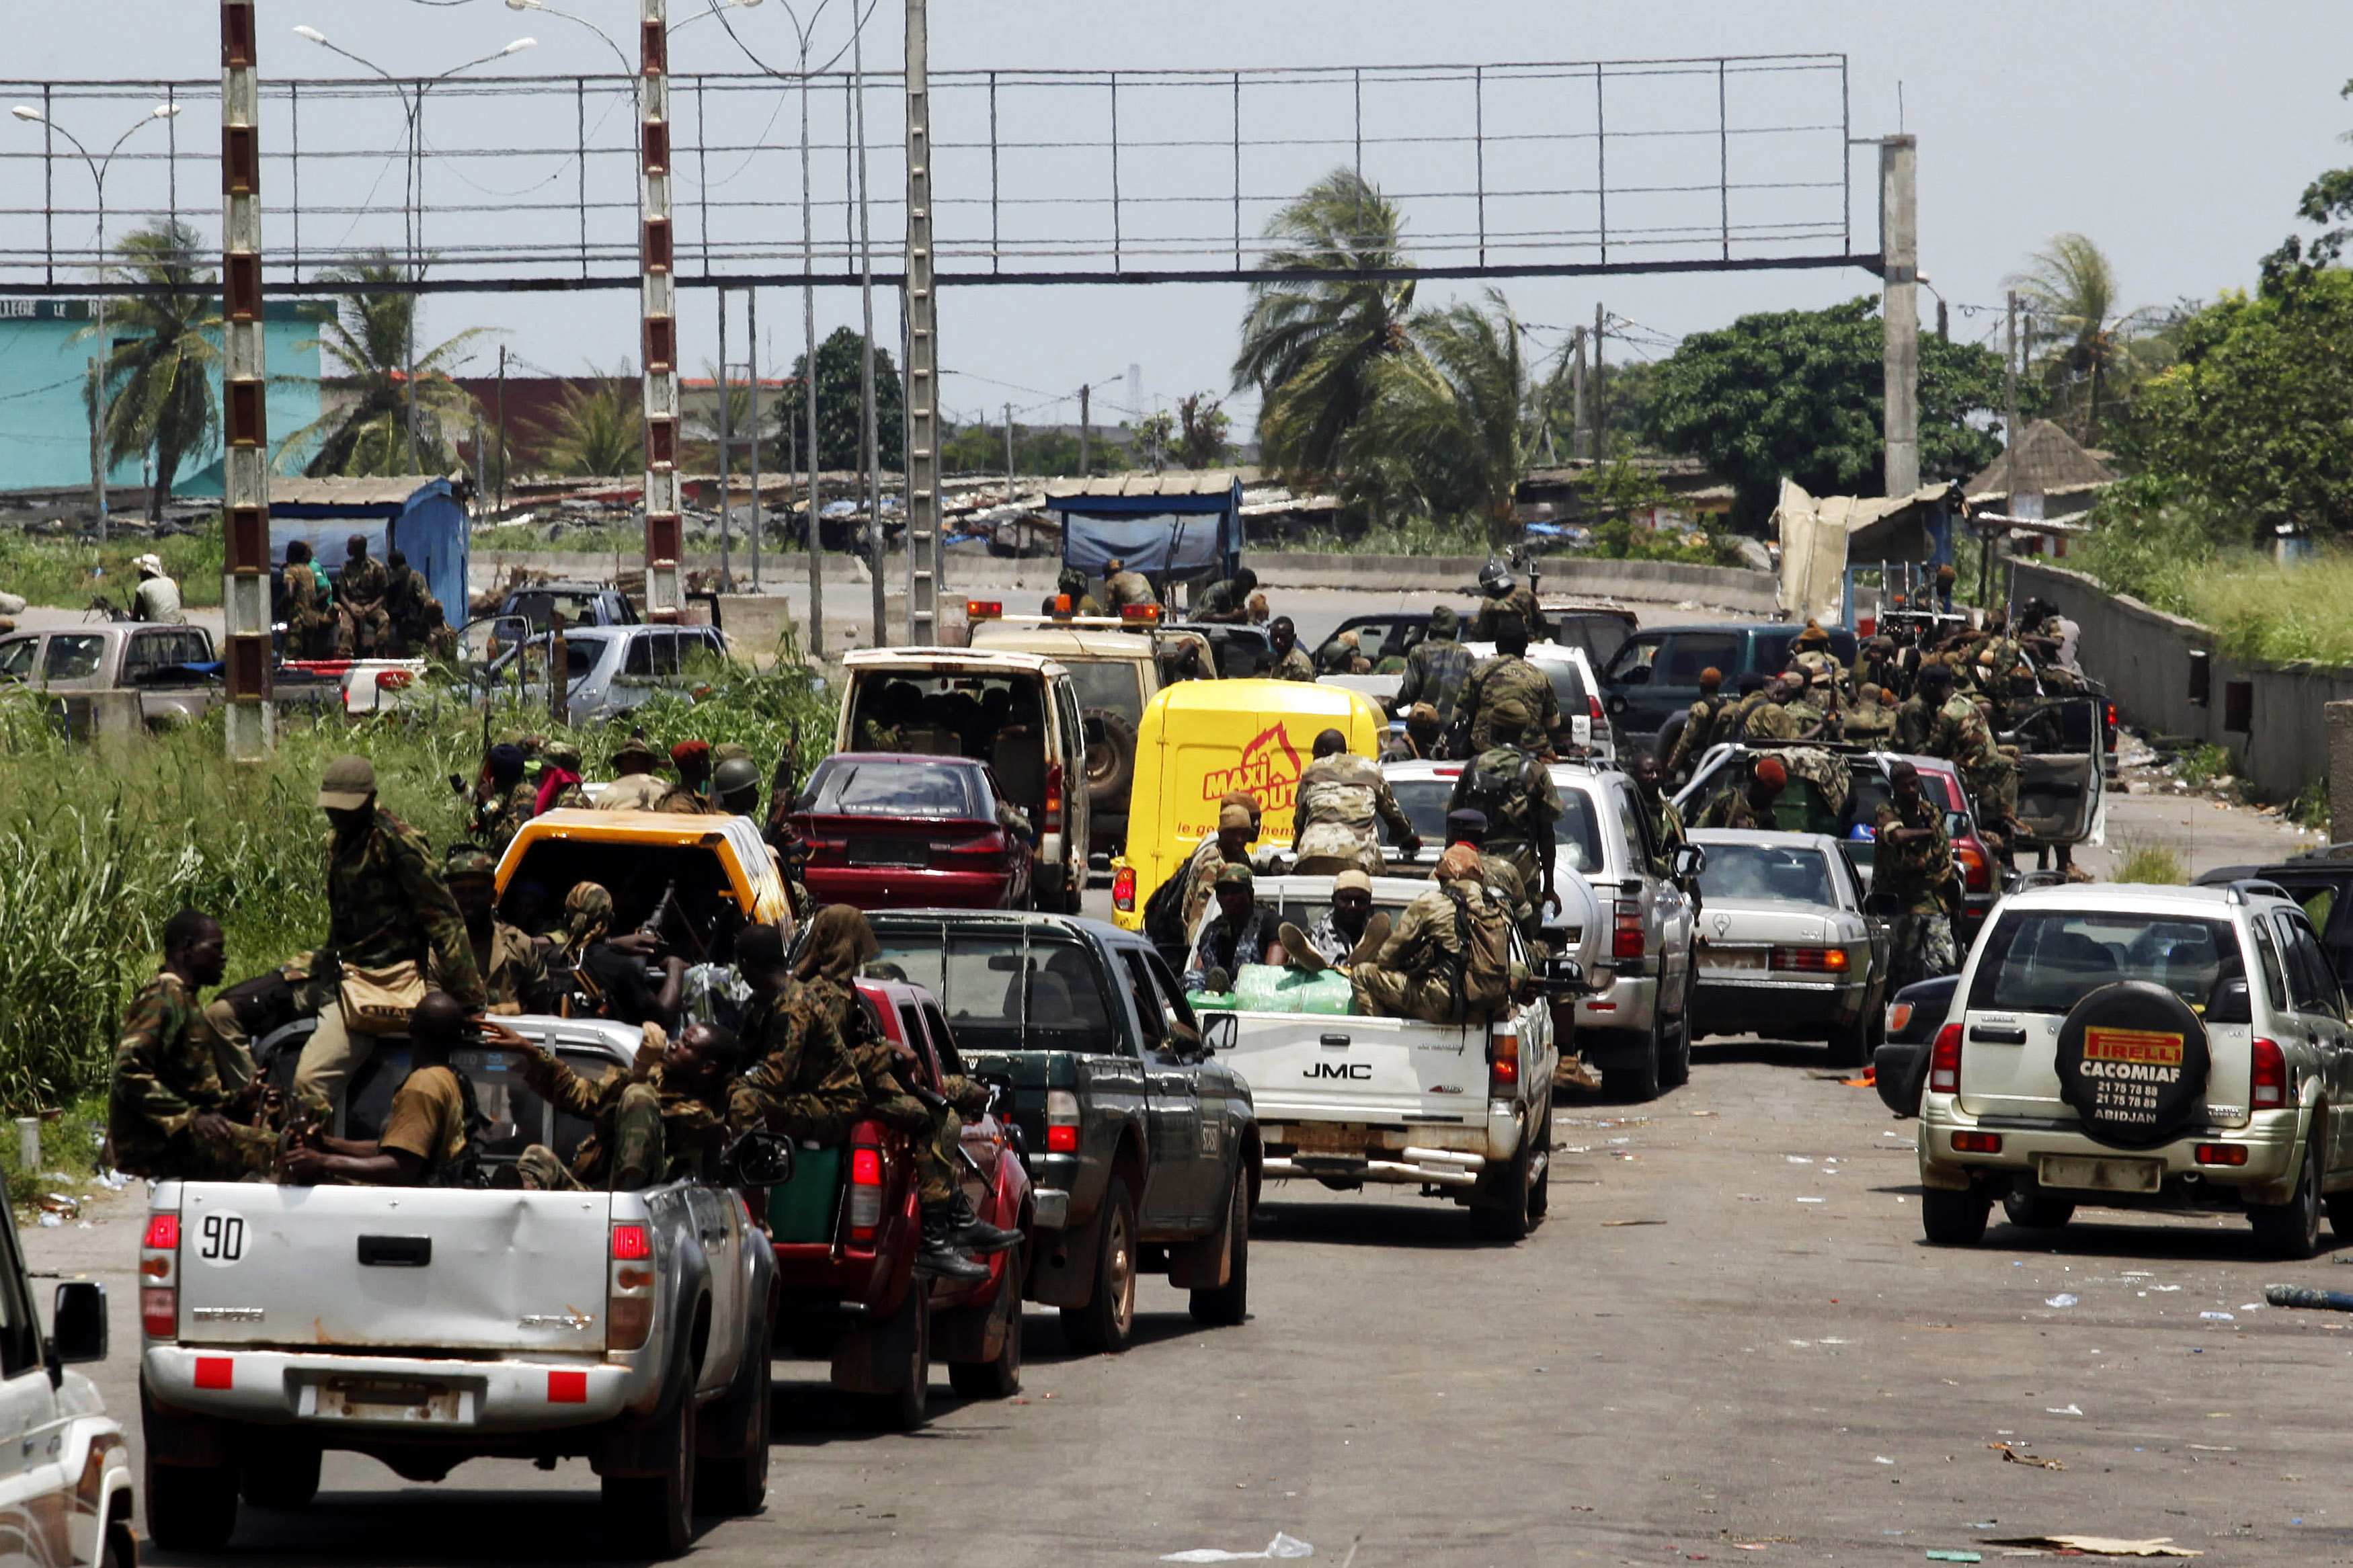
(1464,1112)
(424,1326)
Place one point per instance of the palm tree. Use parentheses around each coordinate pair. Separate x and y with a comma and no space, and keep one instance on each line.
(599,430)
(1459,411)
(1310,347)
(368,339)
(161,381)
(2072,284)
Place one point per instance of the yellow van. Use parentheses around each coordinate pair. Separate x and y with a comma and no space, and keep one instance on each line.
(1200,739)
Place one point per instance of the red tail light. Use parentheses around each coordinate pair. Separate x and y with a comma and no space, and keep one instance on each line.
(983,609)
(162,1232)
(1977,1142)
(2112,724)
(1122,891)
(1502,1067)
(1061,1140)
(1062,1121)
(159,1312)
(159,1281)
(2222,1154)
(865,1191)
(394,679)
(1593,707)
(1626,939)
(632,1243)
(986,845)
(1053,797)
(629,1289)
(1976,872)
(2268,1081)
(1811,960)
(1945,1062)
(1150,612)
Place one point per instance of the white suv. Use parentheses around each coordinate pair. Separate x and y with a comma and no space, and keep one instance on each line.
(2142,1047)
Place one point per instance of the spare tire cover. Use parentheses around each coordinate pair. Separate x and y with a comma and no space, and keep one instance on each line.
(2132,1061)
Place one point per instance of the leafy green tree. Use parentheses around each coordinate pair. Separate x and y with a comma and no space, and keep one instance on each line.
(160,383)
(2329,200)
(367,340)
(1457,409)
(1799,393)
(1628,390)
(598,430)
(1311,348)
(2251,425)
(840,403)
(1201,427)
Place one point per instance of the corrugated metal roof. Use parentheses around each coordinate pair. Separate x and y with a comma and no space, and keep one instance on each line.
(1180,482)
(358,491)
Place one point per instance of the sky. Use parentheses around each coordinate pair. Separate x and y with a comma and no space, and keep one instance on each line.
(2177,135)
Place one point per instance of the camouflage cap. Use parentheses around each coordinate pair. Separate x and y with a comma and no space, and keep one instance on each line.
(562,753)
(1444,621)
(469,860)
(348,784)
(1234,874)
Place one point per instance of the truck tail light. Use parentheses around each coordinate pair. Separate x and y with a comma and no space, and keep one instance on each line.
(1811,960)
(2112,726)
(983,609)
(2222,1154)
(1977,1142)
(1899,1017)
(1593,710)
(1503,1065)
(865,1191)
(948,852)
(1053,797)
(1976,871)
(1626,938)
(394,679)
(1147,613)
(1062,1121)
(1945,1062)
(1122,891)
(629,1292)
(159,1278)
(2268,1080)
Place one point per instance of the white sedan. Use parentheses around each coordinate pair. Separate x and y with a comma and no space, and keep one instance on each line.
(1786,949)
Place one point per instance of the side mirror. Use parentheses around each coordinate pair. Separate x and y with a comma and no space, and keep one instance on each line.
(759,1159)
(78,1329)
(2230,1004)
(1219,1033)
(1689,861)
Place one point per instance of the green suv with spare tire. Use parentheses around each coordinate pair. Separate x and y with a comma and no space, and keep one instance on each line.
(2142,1047)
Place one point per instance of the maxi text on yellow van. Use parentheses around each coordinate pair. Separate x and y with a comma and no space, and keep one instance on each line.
(1200,739)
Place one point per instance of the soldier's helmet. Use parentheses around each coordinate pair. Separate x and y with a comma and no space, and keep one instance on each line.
(1495,577)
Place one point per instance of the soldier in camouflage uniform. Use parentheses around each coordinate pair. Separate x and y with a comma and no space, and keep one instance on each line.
(1914,717)
(1071,585)
(1959,734)
(1415,975)
(1124,587)
(1666,823)
(1291,660)
(690,796)
(406,596)
(1508,677)
(386,905)
(802,1082)
(359,596)
(1238,819)
(1436,667)
(1469,826)
(1812,658)
(1747,808)
(1699,722)
(310,613)
(1782,717)
(512,967)
(1513,791)
(171,1109)
(504,799)
(560,773)
(1507,599)
(1875,664)
(1732,720)
(1869,723)
(1227,601)
(664,1119)
(1912,870)
(1342,803)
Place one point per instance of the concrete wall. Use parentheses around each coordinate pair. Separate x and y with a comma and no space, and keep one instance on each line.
(2146,658)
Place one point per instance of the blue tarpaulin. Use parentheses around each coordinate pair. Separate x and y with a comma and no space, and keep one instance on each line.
(1180,528)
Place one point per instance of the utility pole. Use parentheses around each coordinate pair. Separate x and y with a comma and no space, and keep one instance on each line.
(808,383)
(752,355)
(658,292)
(1600,440)
(1009,454)
(922,386)
(2011,450)
(502,430)
(1086,431)
(245,472)
(1899,246)
(1580,439)
(726,430)
(870,443)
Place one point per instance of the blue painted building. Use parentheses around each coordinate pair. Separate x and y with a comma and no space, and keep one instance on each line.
(45,426)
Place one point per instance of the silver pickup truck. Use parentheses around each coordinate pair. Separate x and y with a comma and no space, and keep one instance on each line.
(172,671)
(424,1326)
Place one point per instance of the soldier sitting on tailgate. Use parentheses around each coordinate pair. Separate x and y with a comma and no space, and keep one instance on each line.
(1342,803)
(183,1103)
(1469,826)
(1242,931)
(1345,933)
(1425,971)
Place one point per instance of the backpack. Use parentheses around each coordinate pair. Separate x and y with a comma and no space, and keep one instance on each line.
(1483,976)
(1496,784)
(469,1168)
(1164,912)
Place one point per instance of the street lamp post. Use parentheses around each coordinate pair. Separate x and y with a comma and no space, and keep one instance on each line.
(412,202)
(99,402)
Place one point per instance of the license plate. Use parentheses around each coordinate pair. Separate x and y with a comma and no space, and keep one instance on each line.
(340,1399)
(1714,957)
(887,852)
(2084,1174)
(1313,1140)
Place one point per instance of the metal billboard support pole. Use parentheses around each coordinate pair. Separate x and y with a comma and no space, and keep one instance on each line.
(664,532)
(1899,243)
(921,460)
(245,492)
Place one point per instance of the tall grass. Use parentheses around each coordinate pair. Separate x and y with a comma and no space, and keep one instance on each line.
(99,848)
(70,571)
(2157,864)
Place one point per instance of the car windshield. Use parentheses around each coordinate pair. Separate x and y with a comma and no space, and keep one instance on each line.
(2045,961)
(844,788)
(1004,991)
(1576,833)
(1767,872)
(1108,683)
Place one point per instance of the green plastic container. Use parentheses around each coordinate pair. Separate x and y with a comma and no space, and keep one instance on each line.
(802,1209)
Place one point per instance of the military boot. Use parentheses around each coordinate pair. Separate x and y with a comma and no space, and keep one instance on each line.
(969,1231)
(937,1258)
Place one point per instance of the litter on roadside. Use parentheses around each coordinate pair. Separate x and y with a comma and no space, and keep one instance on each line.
(2014,1455)
(1282,1546)
(2064,1410)
(1620,1224)
(1949,1556)
(2100,1545)
(2062,1300)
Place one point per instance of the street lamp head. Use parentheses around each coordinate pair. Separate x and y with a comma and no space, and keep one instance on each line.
(519,46)
(310,33)
(26,112)
(165,111)
(524,4)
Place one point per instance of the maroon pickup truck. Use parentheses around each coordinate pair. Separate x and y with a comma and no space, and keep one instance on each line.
(846,1231)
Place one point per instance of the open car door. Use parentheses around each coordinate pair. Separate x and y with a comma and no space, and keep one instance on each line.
(2061,779)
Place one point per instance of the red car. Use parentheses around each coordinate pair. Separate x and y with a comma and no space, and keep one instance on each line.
(888,831)
(846,1231)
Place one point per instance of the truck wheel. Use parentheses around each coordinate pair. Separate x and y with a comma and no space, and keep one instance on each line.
(1227,1305)
(282,1474)
(1499,1204)
(653,1516)
(190,1509)
(1107,1321)
(906,1409)
(1641,1080)
(2291,1231)
(732,1482)
(1954,1219)
(1675,1046)
(1540,1191)
(999,1377)
(1851,1043)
